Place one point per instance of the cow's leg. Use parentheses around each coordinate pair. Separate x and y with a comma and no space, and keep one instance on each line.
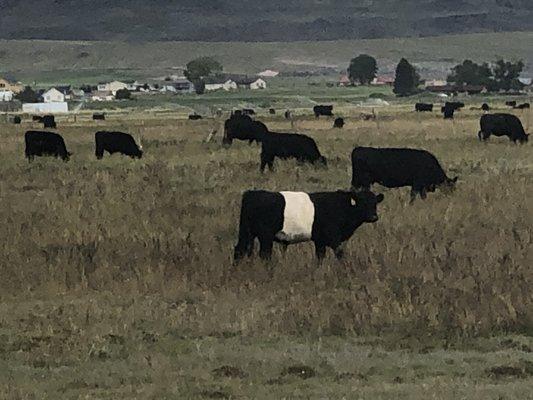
(320,251)
(483,136)
(339,251)
(414,192)
(284,247)
(265,249)
(266,160)
(423,193)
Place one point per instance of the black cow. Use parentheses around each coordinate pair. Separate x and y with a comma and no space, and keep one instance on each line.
(450,107)
(37,118)
(195,117)
(17,120)
(99,117)
(522,106)
(502,125)
(448,112)
(272,111)
(45,144)
(248,111)
(485,107)
(395,168)
(422,107)
(280,145)
(116,142)
(510,103)
(288,145)
(328,219)
(242,127)
(288,114)
(338,123)
(323,110)
(49,121)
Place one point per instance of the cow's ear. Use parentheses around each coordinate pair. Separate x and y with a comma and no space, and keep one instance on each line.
(380,197)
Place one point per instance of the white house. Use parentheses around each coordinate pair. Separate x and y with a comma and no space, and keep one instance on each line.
(112,87)
(44,108)
(435,82)
(251,83)
(102,95)
(53,96)
(268,73)
(6,95)
(214,83)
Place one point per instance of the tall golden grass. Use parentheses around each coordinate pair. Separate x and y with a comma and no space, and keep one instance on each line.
(163,228)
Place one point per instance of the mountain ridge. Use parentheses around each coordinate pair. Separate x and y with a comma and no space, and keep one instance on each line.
(256,21)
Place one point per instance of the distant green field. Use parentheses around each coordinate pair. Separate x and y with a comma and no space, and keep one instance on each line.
(49,62)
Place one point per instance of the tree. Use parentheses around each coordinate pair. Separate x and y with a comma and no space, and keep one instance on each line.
(506,74)
(201,68)
(362,68)
(470,73)
(28,95)
(406,80)
(123,94)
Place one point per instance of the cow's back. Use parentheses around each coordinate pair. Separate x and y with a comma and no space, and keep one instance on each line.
(397,167)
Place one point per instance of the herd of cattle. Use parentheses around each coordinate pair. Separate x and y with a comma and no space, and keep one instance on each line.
(328,219)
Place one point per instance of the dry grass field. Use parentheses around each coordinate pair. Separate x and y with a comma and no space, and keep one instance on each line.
(116,278)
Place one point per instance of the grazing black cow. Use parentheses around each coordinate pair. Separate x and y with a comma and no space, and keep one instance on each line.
(338,123)
(248,111)
(288,114)
(323,110)
(37,118)
(45,144)
(49,121)
(422,107)
(288,145)
(116,142)
(195,117)
(522,106)
(272,111)
(99,117)
(395,168)
(510,103)
(280,145)
(328,219)
(502,125)
(448,112)
(242,127)
(450,107)
(485,107)
(17,120)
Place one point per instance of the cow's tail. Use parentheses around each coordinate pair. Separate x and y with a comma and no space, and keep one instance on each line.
(246,240)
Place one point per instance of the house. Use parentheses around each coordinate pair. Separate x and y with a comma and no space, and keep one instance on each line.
(102,95)
(45,108)
(383,80)
(6,95)
(167,89)
(344,80)
(112,87)
(183,85)
(435,82)
(10,85)
(53,96)
(77,93)
(219,83)
(268,73)
(250,83)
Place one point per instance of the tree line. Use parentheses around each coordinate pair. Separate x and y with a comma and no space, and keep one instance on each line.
(501,75)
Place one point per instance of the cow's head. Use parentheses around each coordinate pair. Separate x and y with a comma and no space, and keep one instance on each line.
(524,139)
(365,204)
(66,157)
(448,185)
